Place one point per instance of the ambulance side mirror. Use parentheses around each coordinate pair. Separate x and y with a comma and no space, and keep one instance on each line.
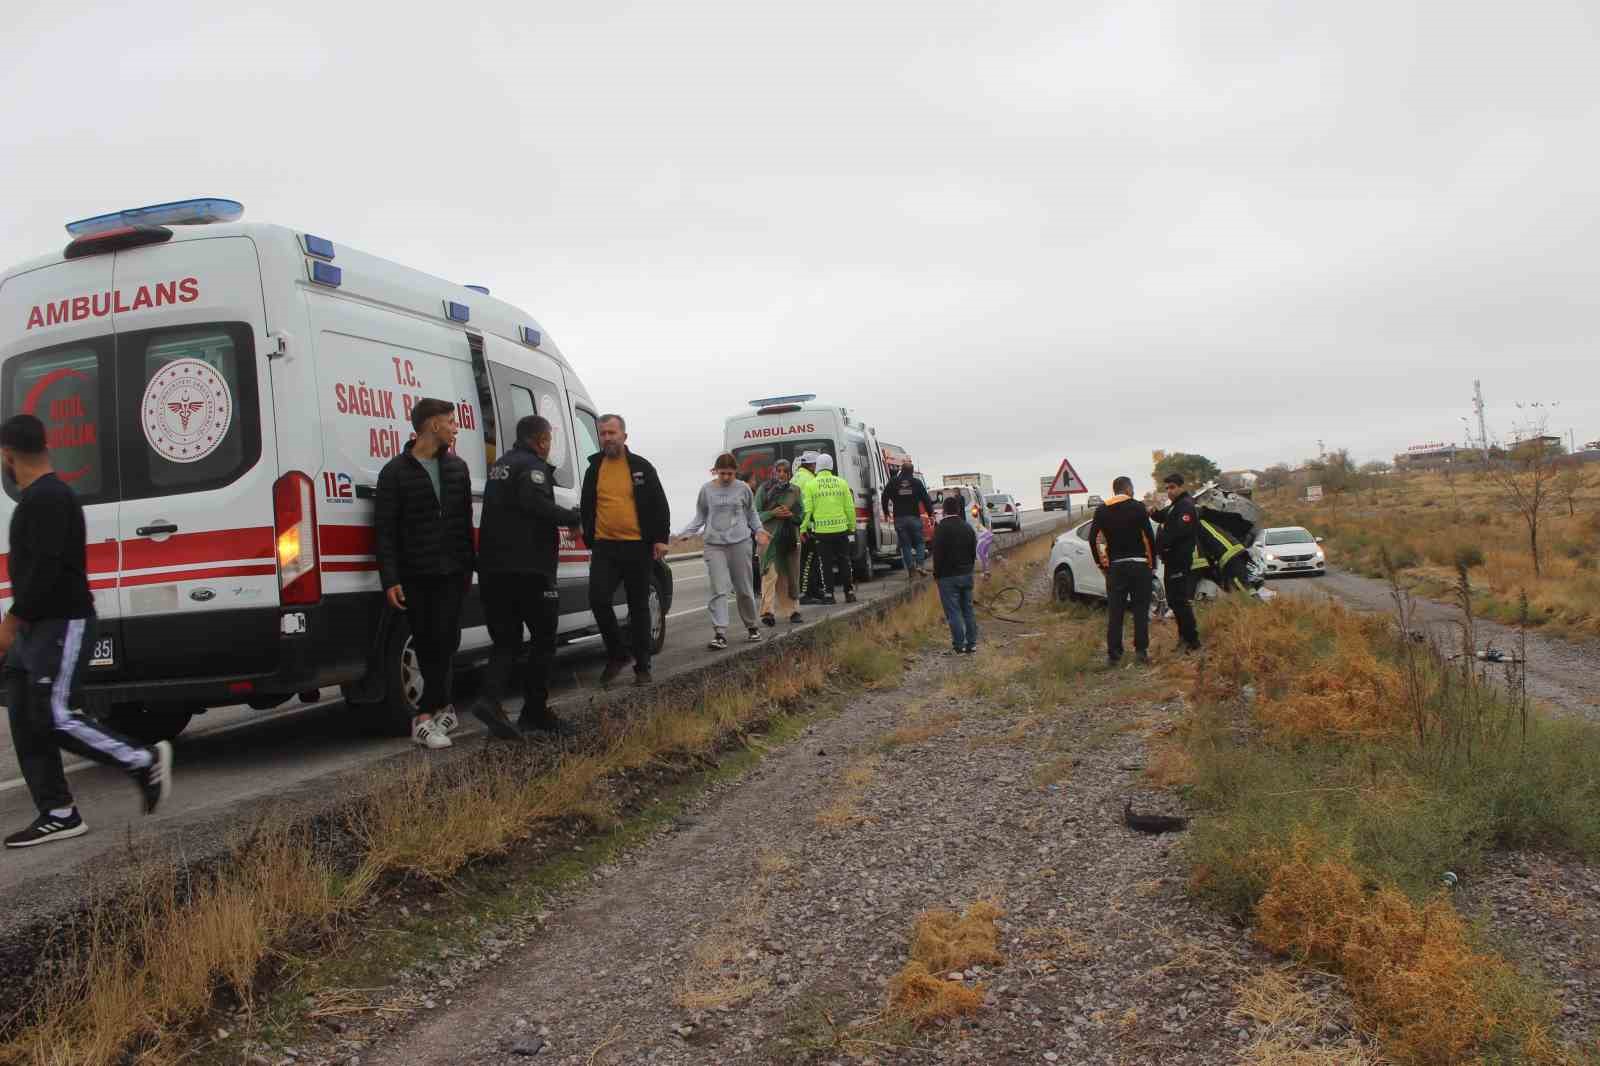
(1319,540)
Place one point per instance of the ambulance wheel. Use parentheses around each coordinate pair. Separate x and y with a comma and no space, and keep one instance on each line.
(658,619)
(658,616)
(402,684)
(861,564)
(1066,590)
(149,723)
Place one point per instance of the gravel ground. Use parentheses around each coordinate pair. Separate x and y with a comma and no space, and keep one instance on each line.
(764,927)
(1565,674)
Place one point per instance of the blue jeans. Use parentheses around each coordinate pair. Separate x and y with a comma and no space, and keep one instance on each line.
(955,593)
(913,549)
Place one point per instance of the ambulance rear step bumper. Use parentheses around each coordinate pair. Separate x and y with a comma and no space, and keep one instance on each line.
(329,652)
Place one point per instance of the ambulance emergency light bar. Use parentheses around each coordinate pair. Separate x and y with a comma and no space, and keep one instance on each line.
(198,212)
(771,401)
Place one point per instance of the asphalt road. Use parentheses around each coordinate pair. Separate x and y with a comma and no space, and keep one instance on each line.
(234,758)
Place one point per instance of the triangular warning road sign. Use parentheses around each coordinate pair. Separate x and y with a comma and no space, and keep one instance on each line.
(1067,481)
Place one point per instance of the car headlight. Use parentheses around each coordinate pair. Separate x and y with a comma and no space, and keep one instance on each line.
(1271,555)
(1320,557)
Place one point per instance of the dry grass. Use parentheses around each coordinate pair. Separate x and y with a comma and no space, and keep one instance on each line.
(943,943)
(919,723)
(843,810)
(723,964)
(1413,970)
(1425,522)
(142,970)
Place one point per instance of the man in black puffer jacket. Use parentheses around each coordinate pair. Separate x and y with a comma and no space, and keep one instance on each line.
(1125,551)
(425,556)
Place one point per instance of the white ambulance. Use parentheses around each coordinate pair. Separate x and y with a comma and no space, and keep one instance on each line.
(221,396)
(785,427)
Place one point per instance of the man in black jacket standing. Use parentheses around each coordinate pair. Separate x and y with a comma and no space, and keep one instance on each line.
(906,497)
(46,637)
(627,526)
(1175,544)
(955,553)
(424,542)
(1125,551)
(518,553)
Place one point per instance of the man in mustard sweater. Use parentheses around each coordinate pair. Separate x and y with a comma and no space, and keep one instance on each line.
(626,525)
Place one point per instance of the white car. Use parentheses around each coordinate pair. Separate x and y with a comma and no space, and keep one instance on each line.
(1003,511)
(971,505)
(1073,571)
(1285,550)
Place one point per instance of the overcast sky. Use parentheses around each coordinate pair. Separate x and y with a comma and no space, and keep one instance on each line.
(1002,233)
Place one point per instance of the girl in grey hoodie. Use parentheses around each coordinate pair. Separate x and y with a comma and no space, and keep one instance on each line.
(726,513)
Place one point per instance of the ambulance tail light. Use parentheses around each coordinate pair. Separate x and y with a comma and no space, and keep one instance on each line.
(294,513)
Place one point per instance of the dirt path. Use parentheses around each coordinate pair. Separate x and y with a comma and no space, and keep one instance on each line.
(764,928)
(1563,673)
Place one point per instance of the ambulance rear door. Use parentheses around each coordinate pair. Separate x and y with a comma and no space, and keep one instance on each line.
(198,586)
(528,382)
(58,365)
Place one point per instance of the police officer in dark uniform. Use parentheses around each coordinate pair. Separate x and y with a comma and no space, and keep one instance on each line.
(1175,544)
(518,544)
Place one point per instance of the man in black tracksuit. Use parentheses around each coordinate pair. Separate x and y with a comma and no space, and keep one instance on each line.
(627,526)
(906,497)
(46,639)
(518,547)
(424,545)
(1125,551)
(1175,544)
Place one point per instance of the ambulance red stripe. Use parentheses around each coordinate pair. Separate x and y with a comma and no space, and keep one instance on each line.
(221,545)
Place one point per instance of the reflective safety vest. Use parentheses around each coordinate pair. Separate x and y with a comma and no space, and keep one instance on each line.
(830,505)
(1233,547)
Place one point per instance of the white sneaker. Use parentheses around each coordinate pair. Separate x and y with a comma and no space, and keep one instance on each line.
(428,735)
(445,721)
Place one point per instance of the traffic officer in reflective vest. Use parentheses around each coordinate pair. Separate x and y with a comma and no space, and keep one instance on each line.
(829,521)
(518,545)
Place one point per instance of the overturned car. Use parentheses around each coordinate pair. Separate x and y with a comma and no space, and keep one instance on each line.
(1228,522)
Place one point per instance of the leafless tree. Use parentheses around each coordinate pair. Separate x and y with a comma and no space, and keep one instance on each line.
(1527,476)
(1572,483)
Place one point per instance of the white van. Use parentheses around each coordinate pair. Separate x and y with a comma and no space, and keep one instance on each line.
(222,396)
(783,427)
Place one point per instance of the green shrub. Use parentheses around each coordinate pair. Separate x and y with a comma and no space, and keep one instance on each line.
(1468,555)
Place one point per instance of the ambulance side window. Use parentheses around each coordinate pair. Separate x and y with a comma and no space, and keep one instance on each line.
(190,420)
(551,405)
(522,404)
(588,432)
(71,389)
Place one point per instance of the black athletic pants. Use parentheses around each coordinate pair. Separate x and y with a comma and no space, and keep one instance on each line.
(626,563)
(43,674)
(833,549)
(510,602)
(1128,587)
(1178,599)
(812,583)
(433,609)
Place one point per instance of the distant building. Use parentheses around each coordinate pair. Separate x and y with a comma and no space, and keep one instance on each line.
(1433,455)
(1235,480)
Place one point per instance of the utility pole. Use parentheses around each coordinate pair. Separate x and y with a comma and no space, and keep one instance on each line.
(1483,429)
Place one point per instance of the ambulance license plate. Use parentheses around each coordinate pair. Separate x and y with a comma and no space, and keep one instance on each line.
(104,652)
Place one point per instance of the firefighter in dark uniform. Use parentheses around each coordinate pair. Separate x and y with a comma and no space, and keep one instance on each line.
(518,545)
(1176,544)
